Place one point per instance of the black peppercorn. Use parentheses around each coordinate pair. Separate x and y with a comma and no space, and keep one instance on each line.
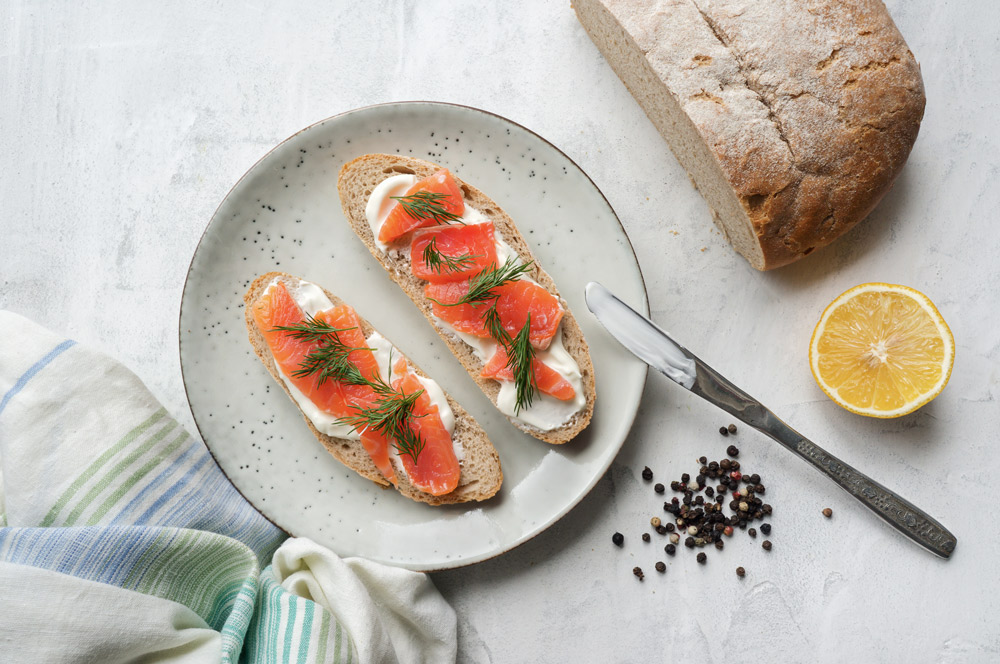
(675,486)
(669,527)
(760,488)
(765,528)
(719,544)
(685,478)
(732,429)
(732,451)
(661,530)
(645,537)
(766,544)
(658,488)
(765,508)
(689,542)
(740,572)
(638,572)
(647,474)
(618,539)
(755,479)
(725,464)
(734,465)
(702,557)
(710,492)
(724,431)
(827,512)
(752,532)
(670,549)
(660,567)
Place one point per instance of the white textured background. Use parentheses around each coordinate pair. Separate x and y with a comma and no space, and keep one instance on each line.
(124,124)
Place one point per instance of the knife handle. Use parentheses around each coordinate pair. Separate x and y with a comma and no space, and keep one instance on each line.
(898,512)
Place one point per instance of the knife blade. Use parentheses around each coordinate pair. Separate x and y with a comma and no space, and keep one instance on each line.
(655,347)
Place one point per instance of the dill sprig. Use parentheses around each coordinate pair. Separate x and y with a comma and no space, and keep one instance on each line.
(331,357)
(520,357)
(428,205)
(435,260)
(482,287)
(392,410)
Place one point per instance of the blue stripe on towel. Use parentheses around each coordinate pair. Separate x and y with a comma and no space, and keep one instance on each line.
(30,373)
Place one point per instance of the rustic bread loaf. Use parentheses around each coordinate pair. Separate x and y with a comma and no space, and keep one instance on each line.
(481,474)
(358,178)
(792,118)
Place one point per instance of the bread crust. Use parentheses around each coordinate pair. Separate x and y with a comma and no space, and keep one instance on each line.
(481,474)
(357,180)
(805,112)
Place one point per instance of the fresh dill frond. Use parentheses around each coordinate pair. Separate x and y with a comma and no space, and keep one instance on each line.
(331,357)
(520,360)
(494,326)
(435,260)
(428,205)
(390,416)
(482,287)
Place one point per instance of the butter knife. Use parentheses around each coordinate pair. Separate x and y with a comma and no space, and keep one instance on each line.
(657,349)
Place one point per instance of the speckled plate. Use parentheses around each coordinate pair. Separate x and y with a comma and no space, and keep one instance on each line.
(285,214)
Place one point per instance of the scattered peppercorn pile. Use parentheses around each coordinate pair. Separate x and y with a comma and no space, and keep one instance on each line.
(698,512)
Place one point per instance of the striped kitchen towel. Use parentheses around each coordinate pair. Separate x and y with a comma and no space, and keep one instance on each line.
(121,540)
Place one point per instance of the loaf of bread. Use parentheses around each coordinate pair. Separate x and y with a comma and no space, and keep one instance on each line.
(359,178)
(792,118)
(481,475)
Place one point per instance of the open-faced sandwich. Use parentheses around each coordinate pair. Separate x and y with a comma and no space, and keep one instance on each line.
(462,261)
(373,410)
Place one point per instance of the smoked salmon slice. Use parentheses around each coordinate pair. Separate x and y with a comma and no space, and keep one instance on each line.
(399,222)
(515,301)
(548,380)
(471,246)
(436,470)
(277,308)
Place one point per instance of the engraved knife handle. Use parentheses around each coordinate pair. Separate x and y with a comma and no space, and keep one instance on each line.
(898,512)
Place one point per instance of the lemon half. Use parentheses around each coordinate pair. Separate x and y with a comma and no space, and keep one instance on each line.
(882,350)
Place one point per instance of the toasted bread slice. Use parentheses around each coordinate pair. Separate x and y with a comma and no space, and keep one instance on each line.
(359,178)
(481,474)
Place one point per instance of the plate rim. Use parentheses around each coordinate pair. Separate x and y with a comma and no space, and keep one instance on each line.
(361,109)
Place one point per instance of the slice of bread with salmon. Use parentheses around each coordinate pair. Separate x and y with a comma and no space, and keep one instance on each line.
(437,466)
(427,227)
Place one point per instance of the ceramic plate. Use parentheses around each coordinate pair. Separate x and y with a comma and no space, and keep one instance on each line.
(285,214)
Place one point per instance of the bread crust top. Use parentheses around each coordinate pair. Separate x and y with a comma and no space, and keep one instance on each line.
(810,108)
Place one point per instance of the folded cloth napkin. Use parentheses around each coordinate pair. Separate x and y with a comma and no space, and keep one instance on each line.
(121,540)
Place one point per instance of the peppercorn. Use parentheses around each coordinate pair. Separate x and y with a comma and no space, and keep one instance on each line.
(720,498)
(669,527)
(752,532)
(766,509)
(724,431)
(618,539)
(827,512)
(755,479)
(685,478)
(719,544)
(760,488)
(699,500)
(740,572)
(689,542)
(765,528)
(675,486)
(658,488)
(655,521)
(766,544)
(713,465)
(735,475)
(726,463)
(744,507)
(728,531)
(661,530)
(675,538)
(734,465)
(645,537)
(638,572)
(709,491)
(660,567)
(732,429)
(702,557)
(670,549)
(647,474)
(692,530)
(732,451)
